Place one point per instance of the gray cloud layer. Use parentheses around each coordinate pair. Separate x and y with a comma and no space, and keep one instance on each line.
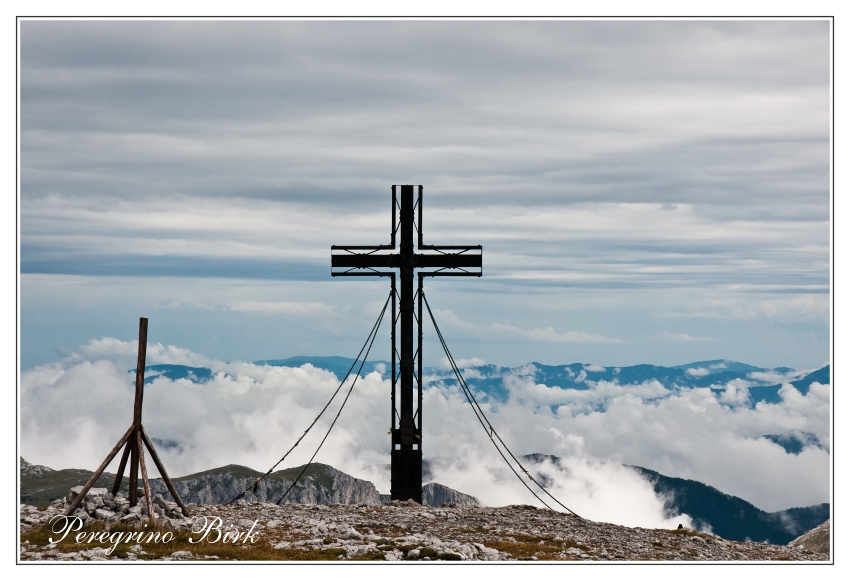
(723,113)
(680,157)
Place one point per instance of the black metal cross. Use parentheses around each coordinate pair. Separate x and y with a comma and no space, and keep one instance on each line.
(406,455)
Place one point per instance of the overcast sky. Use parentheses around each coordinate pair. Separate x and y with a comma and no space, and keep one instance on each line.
(645,192)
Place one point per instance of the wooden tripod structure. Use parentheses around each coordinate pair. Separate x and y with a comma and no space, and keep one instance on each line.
(132,442)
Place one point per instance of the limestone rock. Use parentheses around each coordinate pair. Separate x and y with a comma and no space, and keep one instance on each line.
(816,540)
(90,495)
(28,469)
(321,484)
(435,494)
(405,531)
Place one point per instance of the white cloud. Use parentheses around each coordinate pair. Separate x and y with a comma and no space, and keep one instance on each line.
(110,346)
(464,364)
(447,318)
(595,489)
(113,349)
(73,411)
(683,337)
(287,308)
(776,378)
(471,362)
(697,372)
(805,307)
(735,394)
(548,334)
(503,332)
(593,367)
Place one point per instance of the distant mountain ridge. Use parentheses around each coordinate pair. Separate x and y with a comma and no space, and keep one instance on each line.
(729,516)
(489,379)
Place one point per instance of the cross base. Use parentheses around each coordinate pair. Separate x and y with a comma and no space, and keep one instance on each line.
(406,475)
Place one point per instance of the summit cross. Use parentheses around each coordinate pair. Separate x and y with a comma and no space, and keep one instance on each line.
(406,454)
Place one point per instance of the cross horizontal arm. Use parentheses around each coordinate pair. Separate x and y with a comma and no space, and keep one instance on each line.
(452,272)
(461,247)
(447,261)
(365,261)
(370,272)
(379,247)
(416,261)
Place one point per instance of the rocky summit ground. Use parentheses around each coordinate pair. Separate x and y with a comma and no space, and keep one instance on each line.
(397,531)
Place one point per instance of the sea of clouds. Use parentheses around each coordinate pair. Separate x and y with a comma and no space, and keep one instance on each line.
(74,410)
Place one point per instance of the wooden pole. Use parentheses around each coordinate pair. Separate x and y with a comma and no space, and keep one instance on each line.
(120,476)
(140,372)
(136,450)
(161,468)
(134,470)
(145,482)
(133,439)
(98,472)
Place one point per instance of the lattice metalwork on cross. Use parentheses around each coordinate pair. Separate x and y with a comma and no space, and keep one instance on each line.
(428,260)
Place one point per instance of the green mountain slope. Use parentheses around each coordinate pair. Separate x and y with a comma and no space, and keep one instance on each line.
(731,517)
(41,485)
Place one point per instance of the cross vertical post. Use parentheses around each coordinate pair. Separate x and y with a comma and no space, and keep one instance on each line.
(406,441)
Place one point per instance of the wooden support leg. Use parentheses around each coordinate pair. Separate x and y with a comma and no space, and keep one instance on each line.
(161,468)
(145,482)
(98,472)
(120,475)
